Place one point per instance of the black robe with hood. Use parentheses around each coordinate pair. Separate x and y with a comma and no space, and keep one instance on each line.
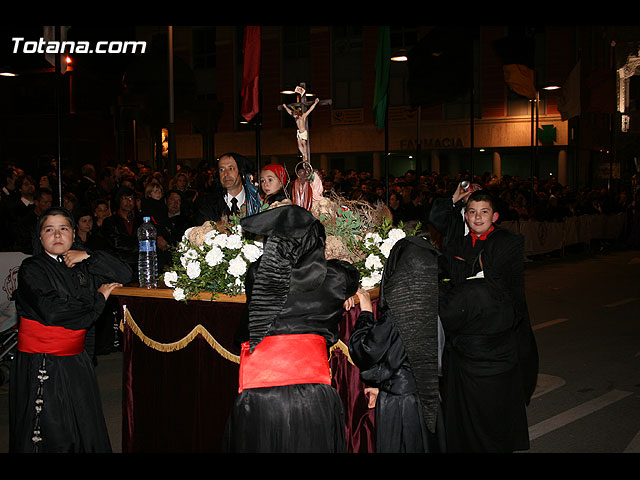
(291,289)
(399,351)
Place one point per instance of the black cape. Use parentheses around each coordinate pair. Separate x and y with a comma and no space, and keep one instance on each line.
(291,289)
(484,403)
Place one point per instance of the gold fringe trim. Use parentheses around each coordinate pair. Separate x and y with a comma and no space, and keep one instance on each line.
(180,344)
(200,330)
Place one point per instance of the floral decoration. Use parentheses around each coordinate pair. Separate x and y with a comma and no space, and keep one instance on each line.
(376,246)
(215,258)
(212,259)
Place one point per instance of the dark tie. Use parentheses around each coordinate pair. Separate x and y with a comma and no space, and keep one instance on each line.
(60,258)
(234,205)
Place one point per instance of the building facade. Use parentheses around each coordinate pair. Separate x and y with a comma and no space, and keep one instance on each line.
(503,137)
(467,119)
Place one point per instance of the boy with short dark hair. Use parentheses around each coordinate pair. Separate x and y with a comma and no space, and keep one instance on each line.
(490,363)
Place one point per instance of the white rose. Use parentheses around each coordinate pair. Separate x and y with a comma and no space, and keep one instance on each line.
(251,252)
(234,241)
(237,229)
(386,247)
(376,277)
(214,256)
(193,270)
(178,294)
(396,234)
(220,241)
(189,255)
(237,266)
(209,236)
(371,239)
(185,235)
(170,279)
(372,262)
(367,282)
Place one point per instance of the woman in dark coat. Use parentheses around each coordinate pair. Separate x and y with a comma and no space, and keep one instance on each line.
(295,299)
(54,401)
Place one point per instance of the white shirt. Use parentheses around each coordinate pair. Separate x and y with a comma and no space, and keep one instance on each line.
(240,197)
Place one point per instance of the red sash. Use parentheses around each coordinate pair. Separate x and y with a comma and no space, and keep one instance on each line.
(284,360)
(34,337)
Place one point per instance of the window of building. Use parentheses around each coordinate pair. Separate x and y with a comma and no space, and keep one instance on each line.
(347,71)
(517,105)
(402,39)
(296,64)
(461,106)
(296,56)
(204,47)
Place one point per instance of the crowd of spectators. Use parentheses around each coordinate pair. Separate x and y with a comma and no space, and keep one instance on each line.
(113,199)
(411,196)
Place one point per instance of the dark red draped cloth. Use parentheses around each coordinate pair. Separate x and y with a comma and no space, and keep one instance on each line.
(179,401)
(359,419)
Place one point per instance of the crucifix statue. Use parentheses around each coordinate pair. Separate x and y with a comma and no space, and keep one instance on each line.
(300,112)
(304,171)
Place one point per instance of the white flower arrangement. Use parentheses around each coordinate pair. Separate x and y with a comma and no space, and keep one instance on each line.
(377,247)
(207,260)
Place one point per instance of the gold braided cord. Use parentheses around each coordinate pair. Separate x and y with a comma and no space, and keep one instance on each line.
(200,330)
(180,344)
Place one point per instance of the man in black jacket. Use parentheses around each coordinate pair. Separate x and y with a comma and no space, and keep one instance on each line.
(235,195)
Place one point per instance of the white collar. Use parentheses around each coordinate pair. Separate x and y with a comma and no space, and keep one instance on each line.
(240,197)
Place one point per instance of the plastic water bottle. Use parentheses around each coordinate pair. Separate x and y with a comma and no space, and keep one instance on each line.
(147,258)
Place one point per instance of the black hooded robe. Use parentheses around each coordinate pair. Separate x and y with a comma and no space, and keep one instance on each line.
(290,290)
(58,395)
(398,352)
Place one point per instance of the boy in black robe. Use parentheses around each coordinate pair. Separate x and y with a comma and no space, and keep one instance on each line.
(490,363)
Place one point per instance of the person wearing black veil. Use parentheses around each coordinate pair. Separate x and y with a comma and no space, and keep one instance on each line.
(295,299)
(234,193)
(54,399)
(398,353)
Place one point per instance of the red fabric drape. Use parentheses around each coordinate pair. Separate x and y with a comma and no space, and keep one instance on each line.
(177,401)
(251,73)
